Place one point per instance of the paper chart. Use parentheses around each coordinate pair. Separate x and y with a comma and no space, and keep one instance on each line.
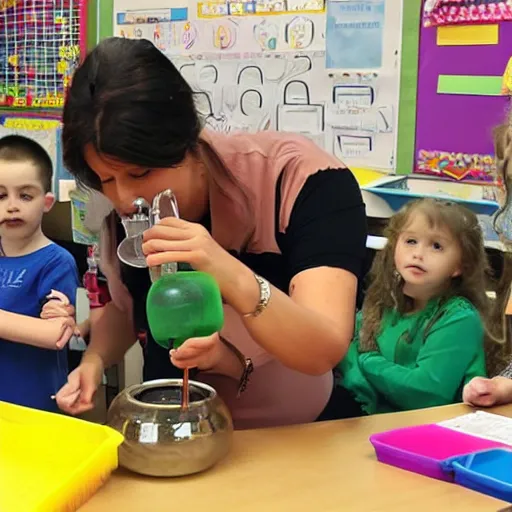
(262,65)
(355,34)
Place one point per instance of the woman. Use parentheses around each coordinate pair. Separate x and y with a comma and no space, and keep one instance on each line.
(498,390)
(279,223)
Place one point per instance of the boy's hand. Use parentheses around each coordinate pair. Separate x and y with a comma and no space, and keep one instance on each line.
(58,306)
(53,309)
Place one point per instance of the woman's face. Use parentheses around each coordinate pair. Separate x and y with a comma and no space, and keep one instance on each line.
(122,183)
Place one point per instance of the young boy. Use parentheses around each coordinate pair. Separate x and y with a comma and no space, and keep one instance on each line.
(33,363)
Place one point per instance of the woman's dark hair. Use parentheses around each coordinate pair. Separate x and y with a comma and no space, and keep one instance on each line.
(130,102)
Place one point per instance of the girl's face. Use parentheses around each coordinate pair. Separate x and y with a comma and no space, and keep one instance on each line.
(122,183)
(426,257)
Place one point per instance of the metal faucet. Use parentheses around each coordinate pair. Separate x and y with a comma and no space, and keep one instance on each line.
(129,250)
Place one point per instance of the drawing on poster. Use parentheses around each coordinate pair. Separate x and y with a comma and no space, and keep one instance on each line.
(296,113)
(346,96)
(224,34)
(354,34)
(185,35)
(353,146)
(250,75)
(299,33)
(362,117)
(266,34)
(216,121)
(281,68)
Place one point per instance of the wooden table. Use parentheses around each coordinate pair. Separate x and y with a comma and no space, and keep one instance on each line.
(319,467)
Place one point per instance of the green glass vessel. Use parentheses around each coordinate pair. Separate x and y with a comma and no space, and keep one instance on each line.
(184,305)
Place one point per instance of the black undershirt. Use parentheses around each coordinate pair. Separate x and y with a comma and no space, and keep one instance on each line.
(327,227)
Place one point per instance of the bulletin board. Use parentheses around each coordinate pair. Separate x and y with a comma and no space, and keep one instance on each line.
(330,72)
(41,43)
(463,55)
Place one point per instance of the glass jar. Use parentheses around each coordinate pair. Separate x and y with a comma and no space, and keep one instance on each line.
(164,439)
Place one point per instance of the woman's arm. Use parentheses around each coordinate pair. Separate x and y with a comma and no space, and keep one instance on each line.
(51,334)
(84,328)
(440,368)
(324,250)
(311,329)
(111,335)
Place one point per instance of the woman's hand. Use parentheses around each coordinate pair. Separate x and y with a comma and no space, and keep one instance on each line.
(482,392)
(179,241)
(207,354)
(77,395)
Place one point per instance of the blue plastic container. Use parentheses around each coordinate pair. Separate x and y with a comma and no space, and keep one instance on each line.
(402,189)
(488,472)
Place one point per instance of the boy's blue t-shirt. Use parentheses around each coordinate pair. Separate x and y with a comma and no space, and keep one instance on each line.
(30,375)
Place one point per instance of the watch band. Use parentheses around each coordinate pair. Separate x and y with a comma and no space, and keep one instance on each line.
(246,362)
(265,294)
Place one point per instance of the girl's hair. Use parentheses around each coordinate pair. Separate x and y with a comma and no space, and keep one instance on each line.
(130,102)
(386,287)
(502,351)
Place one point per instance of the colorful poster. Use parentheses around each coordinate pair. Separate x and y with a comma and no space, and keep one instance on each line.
(41,45)
(450,12)
(354,34)
(454,131)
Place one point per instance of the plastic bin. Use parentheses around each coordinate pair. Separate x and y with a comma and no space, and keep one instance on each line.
(488,472)
(51,462)
(423,448)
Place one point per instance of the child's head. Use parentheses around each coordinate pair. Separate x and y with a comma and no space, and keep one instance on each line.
(435,249)
(434,246)
(25,186)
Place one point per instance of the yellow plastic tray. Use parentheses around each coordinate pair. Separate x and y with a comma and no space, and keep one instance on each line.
(50,462)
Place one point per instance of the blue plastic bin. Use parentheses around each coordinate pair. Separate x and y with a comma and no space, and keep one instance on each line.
(488,472)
